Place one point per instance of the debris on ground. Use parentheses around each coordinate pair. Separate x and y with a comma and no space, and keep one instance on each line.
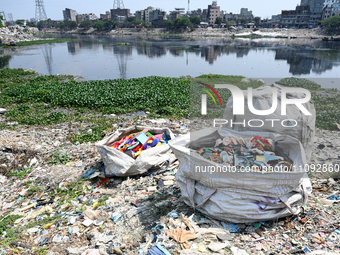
(46,206)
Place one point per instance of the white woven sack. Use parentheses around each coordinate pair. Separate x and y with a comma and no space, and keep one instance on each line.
(119,164)
(240,197)
(262,100)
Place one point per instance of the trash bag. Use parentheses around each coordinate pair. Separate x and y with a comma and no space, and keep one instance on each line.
(240,197)
(118,163)
(262,100)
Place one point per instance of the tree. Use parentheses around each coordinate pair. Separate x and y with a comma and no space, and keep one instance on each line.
(195,20)
(109,24)
(139,23)
(70,24)
(332,24)
(1,19)
(257,21)
(230,23)
(244,22)
(182,23)
(99,25)
(41,24)
(218,21)
(130,19)
(30,24)
(169,24)
(86,24)
(20,22)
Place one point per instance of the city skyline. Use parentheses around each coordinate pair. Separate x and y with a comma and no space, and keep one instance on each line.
(54,8)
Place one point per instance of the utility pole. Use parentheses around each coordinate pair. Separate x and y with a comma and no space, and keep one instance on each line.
(118,4)
(10,18)
(40,13)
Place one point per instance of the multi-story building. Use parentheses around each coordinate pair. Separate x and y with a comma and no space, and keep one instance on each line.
(316,11)
(173,15)
(331,8)
(336,9)
(327,11)
(105,16)
(197,12)
(90,16)
(120,12)
(302,16)
(80,18)
(150,14)
(205,15)
(213,13)
(299,18)
(245,12)
(69,15)
(276,18)
(288,18)
(140,15)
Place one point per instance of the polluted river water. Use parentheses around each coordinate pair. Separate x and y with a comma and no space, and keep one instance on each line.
(114,57)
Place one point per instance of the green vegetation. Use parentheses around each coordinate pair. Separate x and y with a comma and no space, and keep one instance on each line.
(1,19)
(326,101)
(58,158)
(86,24)
(7,220)
(20,22)
(230,23)
(15,234)
(19,174)
(34,189)
(332,24)
(182,23)
(218,21)
(300,83)
(120,44)
(97,133)
(45,100)
(59,40)
(118,96)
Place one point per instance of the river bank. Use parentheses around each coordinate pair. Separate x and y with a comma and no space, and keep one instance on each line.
(317,33)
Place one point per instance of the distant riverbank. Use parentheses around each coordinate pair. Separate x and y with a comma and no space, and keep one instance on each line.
(206,32)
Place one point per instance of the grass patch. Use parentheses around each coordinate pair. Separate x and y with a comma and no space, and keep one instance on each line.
(45,100)
(108,96)
(28,43)
(121,44)
(98,132)
(326,101)
(59,158)
(19,174)
(300,83)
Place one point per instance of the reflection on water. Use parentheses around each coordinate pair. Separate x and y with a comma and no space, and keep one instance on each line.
(4,61)
(303,56)
(102,57)
(47,52)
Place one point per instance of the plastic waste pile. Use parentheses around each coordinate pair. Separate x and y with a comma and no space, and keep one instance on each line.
(255,154)
(134,144)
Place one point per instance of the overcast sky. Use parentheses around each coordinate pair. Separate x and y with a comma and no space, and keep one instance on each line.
(25,9)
